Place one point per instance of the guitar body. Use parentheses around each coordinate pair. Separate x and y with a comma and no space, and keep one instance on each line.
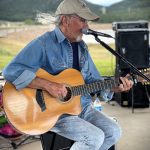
(23,111)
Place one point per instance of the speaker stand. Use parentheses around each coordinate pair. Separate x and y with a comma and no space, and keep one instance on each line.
(132,98)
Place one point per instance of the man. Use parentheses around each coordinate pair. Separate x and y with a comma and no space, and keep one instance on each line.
(56,51)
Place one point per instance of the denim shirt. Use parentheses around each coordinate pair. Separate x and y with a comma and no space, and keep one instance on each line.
(52,52)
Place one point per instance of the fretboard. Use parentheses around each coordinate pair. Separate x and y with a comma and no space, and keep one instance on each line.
(93,87)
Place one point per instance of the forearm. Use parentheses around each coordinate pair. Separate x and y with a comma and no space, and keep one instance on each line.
(39,83)
(56,90)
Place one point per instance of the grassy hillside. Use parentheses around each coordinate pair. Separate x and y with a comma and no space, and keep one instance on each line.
(20,10)
(128,10)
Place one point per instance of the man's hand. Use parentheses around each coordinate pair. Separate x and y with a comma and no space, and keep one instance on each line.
(57,90)
(125,85)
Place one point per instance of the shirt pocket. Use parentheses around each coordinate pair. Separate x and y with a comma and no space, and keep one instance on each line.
(58,64)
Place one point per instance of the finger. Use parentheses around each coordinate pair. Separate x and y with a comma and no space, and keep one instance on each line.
(128,76)
(120,88)
(126,83)
(64,93)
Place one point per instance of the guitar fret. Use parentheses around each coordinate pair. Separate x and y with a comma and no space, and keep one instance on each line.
(103,86)
(89,87)
(110,84)
(84,90)
(78,91)
(93,87)
(74,91)
(116,82)
(106,85)
(81,89)
(113,83)
(99,85)
(96,86)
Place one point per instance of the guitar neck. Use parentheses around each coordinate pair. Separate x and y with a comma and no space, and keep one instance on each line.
(93,87)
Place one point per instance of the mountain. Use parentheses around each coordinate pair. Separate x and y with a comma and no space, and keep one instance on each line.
(21,10)
(127,10)
(130,3)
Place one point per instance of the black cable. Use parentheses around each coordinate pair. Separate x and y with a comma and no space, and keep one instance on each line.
(147,93)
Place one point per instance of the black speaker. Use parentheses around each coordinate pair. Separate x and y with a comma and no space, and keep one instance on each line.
(140,94)
(132,42)
(140,99)
(134,46)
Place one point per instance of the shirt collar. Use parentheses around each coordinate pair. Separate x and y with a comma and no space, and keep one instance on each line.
(60,36)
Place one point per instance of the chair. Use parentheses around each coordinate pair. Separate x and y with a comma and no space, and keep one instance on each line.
(53,141)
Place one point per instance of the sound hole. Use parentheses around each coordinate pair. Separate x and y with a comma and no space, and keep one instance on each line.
(68,96)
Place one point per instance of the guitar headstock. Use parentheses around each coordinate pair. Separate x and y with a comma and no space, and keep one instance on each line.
(146,72)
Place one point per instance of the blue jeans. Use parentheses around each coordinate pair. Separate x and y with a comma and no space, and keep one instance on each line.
(92,130)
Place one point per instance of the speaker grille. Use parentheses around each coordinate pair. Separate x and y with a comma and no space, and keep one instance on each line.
(134,46)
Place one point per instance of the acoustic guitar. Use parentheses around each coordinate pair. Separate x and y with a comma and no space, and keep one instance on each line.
(34,111)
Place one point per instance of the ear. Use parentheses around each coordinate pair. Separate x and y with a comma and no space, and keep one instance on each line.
(65,20)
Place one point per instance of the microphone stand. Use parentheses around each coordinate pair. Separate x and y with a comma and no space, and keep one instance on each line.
(132,67)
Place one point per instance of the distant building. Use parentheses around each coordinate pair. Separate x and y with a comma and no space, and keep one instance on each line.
(103,9)
(44,18)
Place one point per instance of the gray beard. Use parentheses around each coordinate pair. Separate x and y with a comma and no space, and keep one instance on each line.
(79,38)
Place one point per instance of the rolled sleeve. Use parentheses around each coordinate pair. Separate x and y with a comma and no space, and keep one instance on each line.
(24,79)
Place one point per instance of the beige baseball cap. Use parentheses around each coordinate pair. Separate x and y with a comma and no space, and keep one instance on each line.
(77,7)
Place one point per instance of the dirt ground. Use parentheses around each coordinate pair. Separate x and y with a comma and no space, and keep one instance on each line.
(100,26)
(27,33)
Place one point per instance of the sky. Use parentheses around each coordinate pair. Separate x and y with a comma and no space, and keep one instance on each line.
(104,2)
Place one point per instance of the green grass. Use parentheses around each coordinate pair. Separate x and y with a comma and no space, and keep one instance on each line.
(4,60)
(8,49)
(104,60)
(5,57)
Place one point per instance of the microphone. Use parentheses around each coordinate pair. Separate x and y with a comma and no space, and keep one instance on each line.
(95,33)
